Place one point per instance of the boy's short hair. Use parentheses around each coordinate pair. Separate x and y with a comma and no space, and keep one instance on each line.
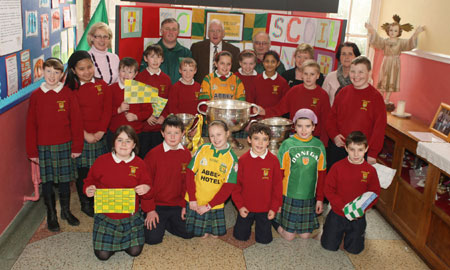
(256,128)
(173,121)
(273,53)
(247,54)
(54,63)
(129,62)
(362,60)
(130,133)
(189,62)
(154,48)
(311,63)
(356,137)
(305,48)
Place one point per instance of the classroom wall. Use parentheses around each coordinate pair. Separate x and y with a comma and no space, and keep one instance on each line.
(424,83)
(15,175)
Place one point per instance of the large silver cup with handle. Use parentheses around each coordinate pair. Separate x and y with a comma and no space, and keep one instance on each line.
(235,113)
(187,120)
(280,127)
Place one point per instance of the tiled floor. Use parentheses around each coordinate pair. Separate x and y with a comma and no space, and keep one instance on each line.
(72,249)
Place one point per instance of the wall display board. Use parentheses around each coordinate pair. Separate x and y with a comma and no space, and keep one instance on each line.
(138,29)
(38,30)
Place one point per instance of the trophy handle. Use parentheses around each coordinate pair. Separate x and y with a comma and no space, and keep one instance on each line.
(198,107)
(257,110)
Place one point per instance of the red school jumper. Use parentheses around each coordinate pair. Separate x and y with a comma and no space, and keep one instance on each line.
(248,81)
(268,91)
(183,98)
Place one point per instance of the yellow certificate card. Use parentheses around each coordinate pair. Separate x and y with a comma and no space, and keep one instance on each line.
(115,200)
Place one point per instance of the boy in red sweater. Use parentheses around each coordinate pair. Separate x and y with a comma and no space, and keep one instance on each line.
(258,192)
(346,180)
(183,97)
(152,75)
(166,163)
(307,95)
(358,106)
(123,113)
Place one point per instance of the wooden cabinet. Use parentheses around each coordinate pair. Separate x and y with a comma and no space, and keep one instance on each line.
(411,203)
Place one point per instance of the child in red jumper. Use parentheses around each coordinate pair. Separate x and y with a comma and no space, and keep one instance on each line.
(307,95)
(247,72)
(183,97)
(258,192)
(54,138)
(119,169)
(167,162)
(270,87)
(152,75)
(358,106)
(94,98)
(134,115)
(347,179)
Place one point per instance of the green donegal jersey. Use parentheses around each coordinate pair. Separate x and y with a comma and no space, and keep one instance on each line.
(301,160)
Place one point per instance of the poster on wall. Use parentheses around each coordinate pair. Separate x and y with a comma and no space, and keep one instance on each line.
(38,68)
(183,17)
(31,23)
(45,31)
(10,27)
(233,24)
(44,3)
(64,50)
(66,15)
(287,57)
(56,20)
(56,50)
(55,3)
(70,41)
(131,22)
(12,75)
(25,67)
(73,15)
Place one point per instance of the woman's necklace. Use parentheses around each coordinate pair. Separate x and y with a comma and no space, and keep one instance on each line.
(98,69)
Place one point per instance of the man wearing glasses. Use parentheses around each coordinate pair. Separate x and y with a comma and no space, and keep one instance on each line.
(204,51)
(261,45)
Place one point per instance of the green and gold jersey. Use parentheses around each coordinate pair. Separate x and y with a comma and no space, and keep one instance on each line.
(301,160)
(215,87)
(212,168)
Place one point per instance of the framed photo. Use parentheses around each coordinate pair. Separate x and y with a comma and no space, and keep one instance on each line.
(441,122)
(233,24)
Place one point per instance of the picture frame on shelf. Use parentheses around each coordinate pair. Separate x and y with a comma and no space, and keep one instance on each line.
(441,122)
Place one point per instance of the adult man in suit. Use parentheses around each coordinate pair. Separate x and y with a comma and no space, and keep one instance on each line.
(261,45)
(203,52)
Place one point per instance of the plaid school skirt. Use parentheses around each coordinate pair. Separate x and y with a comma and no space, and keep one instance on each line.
(55,163)
(118,234)
(298,216)
(91,151)
(212,222)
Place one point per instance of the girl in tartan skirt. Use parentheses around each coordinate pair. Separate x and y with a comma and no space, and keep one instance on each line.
(54,139)
(120,169)
(302,157)
(95,102)
(210,178)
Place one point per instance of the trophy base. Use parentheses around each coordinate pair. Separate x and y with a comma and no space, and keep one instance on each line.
(235,143)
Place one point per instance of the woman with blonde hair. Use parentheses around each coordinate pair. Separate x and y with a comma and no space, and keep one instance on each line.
(106,63)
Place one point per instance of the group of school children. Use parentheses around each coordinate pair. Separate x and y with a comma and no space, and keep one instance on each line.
(82,129)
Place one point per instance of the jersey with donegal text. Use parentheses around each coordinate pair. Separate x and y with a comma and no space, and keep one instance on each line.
(301,159)
(212,168)
(215,87)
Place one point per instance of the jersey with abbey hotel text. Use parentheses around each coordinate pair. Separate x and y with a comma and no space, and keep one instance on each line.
(212,168)
(301,159)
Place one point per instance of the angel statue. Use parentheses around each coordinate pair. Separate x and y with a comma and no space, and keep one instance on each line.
(389,76)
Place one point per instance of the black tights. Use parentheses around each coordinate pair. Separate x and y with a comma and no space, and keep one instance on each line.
(47,188)
(105,255)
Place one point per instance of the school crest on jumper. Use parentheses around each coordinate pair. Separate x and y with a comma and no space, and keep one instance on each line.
(223,168)
(61,105)
(275,89)
(133,170)
(305,160)
(99,89)
(265,173)
(365,104)
(163,88)
(314,102)
(365,175)
(183,167)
